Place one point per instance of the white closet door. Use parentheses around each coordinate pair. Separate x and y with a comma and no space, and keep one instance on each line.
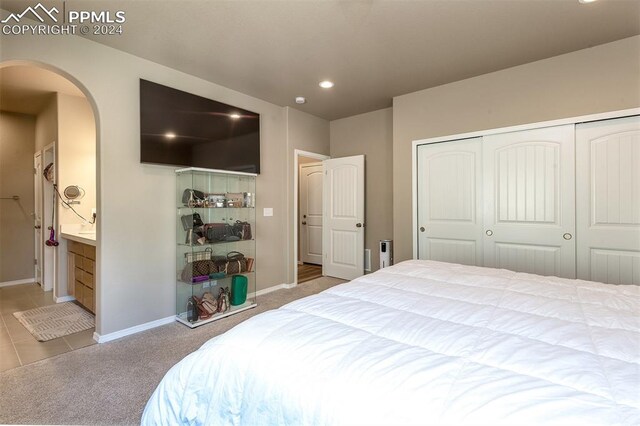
(608,200)
(529,201)
(310,215)
(450,201)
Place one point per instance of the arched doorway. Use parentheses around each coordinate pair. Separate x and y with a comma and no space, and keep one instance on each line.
(46,118)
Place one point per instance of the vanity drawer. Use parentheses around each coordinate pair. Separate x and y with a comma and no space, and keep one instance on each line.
(77,293)
(88,265)
(89,251)
(87,279)
(87,298)
(75,247)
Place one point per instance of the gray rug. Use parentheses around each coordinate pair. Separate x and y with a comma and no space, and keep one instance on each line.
(53,321)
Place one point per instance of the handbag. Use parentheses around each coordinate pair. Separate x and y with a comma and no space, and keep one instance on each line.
(215,232)
(194,272)
(235,199)
(234,263)
(193,198)
(242,230)
(190,221)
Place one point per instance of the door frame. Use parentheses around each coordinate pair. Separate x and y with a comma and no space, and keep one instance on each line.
(297,153)
(517,128)
(38,217)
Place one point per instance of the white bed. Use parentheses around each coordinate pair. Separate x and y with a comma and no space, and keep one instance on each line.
(421,342)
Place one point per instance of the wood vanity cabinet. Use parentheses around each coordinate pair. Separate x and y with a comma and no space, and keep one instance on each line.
(82,269)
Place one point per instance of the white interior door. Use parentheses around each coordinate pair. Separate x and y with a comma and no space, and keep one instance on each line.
(343,220)
(529,201)
(37,215)
(450,201)
(310,215)
(608,200)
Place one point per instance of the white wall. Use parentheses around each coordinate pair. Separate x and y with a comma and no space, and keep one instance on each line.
(17,146)
(136,228)
(600,79)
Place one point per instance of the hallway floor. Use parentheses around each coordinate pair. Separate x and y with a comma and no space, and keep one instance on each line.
(308,272)
(17,346)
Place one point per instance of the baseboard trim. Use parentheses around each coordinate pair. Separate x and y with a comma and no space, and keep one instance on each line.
(65,299)
(103,338)
(274,288)
(17,282)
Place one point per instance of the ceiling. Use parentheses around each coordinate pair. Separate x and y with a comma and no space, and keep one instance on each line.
(372,50)
(26,89)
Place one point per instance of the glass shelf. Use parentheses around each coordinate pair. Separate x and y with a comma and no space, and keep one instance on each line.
(214,182)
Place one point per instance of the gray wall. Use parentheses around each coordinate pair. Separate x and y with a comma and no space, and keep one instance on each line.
(599,79)
(370,134)
(309,133)
(17,146)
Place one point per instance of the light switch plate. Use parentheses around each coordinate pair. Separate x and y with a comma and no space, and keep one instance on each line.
(267,211)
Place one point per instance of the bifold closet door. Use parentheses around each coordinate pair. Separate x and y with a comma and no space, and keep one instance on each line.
(529,201)
(608,200)
(449,191)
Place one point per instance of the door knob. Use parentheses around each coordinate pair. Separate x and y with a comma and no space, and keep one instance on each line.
(304,222)
(489,232)
(38,227)
(422,229)
(567,236)
(358,225)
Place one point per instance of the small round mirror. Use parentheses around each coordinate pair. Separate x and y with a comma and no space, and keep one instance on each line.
(72,192)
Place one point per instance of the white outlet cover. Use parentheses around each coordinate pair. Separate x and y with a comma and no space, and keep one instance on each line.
(267,211)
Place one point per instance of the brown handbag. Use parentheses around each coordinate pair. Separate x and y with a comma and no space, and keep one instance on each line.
(234,263)
(198,268)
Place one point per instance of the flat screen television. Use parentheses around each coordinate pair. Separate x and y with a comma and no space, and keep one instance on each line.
(182,129)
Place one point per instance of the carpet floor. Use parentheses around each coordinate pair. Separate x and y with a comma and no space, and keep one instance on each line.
(110,383)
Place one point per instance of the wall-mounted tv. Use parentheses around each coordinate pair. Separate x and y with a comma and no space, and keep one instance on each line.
(182,129)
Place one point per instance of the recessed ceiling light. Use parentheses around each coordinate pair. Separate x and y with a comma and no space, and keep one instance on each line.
(326,84)
(300,100)
(235,116)
(169,135)
(586,1)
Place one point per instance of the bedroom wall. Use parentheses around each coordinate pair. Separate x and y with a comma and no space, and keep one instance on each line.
(599,79)
(17,146)
(305,132)
(136,229)
(370,134)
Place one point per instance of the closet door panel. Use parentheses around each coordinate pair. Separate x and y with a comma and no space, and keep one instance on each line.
(449,202)
(529,201)
(608,200)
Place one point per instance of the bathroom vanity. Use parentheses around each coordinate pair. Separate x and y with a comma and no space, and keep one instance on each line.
(81,267)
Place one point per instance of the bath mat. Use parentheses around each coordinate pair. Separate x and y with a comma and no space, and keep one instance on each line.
(49,322)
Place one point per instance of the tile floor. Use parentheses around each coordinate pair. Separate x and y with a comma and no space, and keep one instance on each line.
(17,346)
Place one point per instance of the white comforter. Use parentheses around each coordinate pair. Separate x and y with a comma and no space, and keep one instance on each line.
(421,342)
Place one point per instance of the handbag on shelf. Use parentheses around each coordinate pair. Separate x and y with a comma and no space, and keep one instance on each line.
(242,230)
(235,199)
(193,198)
(234,263)
(217,232)
(191,221)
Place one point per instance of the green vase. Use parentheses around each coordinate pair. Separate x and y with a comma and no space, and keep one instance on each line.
(239,284)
